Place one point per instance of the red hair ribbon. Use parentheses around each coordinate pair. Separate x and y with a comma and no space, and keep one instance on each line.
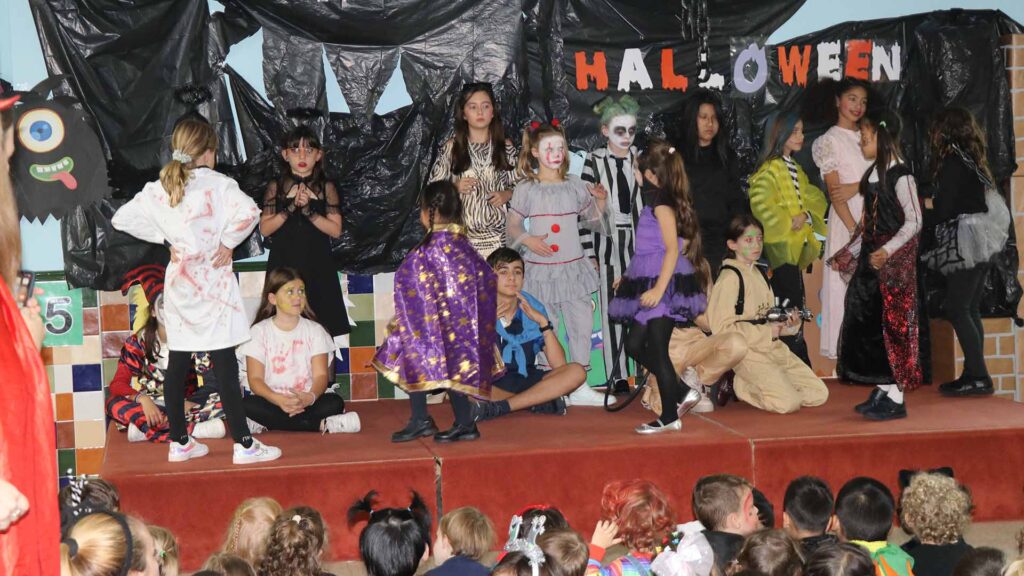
(533,507)
(555,122)
(534,125)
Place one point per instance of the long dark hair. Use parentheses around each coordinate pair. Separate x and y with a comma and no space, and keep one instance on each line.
(442,199)
(957,127)
(150,331)
(691,139)
(277,278)
(777,132)
(666,163)
(819,107)
(460,142)
(887,126)
(317,180)
(737,225)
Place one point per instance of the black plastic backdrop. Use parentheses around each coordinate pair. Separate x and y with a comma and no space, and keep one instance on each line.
(126,61)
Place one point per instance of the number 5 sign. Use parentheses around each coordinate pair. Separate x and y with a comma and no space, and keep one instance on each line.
(62,314)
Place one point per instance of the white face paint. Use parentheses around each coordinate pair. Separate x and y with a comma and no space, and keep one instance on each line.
(551,152)
(622,131)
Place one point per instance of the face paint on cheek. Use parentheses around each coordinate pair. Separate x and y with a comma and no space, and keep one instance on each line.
(552,152)
(622,131)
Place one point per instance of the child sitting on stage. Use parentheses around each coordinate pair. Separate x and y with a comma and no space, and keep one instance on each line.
(249,529)
(724,504)
(443,333)
(295,545)
(567,552)
(137,389)
(864,509)
(287,364)
(395,540)
(636,513)
(524,330)
(464,537)
(807,512)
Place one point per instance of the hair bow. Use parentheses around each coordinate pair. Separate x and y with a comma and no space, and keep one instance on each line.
(555,122)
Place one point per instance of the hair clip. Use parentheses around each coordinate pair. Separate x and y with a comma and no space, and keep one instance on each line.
(881,124)
(534,125)
(181,156)
(671,149)
(297,519)
(555,122)
(72,546)
(528,545)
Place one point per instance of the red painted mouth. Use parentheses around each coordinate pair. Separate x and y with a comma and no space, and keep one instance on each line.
(302,164)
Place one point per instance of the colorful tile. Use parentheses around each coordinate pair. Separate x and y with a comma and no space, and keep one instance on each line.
(360,359)
(383,283)
(88,352)
(113,342)
(363,334)
(107,298)
(61,355)
(64,407)
(86,378)
(364,387)
(400,394)
(114,317)
(358,284)
(89,460)
(89,406)
(109,368)
(384,306)
(89,298)
(385,388)
(380,332)
(63,381)
(251,283)
(65,435)
(47,355)
(90,433)
(66,463)
(345,387)
(91,321)
(341,364)
(49,378)
(363,307)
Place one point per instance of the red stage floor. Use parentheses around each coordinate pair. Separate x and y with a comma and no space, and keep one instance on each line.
(526,459)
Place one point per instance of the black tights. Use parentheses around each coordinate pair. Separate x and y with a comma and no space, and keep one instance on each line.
(460,405)
(788,284)
(225,369)
(964,290)
(648,345)
(270,415)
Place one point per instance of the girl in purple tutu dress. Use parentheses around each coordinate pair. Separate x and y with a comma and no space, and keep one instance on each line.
(666,281)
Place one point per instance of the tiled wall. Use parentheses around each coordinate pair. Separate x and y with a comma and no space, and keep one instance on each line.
(79,374)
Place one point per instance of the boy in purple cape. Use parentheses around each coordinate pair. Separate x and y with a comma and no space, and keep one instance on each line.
(443,335)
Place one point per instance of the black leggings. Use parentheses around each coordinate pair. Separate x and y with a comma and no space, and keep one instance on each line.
(225,369)
(460,405)
(648,345)
(270,415)
(964,290)
(788,283)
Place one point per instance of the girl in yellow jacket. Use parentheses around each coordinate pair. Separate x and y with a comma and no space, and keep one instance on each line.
(770,376)
(792,212)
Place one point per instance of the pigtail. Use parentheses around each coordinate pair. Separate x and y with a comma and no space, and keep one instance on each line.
(421,514)
(525,164)
(362,508)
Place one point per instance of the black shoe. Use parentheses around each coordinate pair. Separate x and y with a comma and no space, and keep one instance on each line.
(457,433)
(968,387)
(886,409)
(722,391)
(556,407)
(415,429)
(481,410)
(620,387)
(876,394)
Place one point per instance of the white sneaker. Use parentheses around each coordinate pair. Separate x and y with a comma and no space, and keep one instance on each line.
(691,379)
(255,427)
(586,396)
(181,452)
(258,452)
(704,406)
(342,424)
(134,434)
(209,429)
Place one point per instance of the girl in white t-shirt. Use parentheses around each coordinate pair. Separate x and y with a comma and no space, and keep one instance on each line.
(286,362)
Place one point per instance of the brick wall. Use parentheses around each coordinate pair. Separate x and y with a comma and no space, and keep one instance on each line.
(1012,384)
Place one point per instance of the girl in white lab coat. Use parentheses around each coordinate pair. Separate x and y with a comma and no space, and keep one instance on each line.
(200,215)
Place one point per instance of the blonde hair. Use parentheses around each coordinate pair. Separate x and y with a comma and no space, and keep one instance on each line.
(249,529)
(10,231)
(297,540)
(936,508)
(528,165)
(102,546)
(469,532)
(229,565)
(166,550)
(193,138)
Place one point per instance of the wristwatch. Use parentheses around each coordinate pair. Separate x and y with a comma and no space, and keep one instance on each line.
(546,328)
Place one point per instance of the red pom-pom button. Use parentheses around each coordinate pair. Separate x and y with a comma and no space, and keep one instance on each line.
(556,228)
(554,247)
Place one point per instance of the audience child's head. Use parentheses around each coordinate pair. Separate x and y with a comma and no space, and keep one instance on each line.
(935,508)
(725,503)
(86,495)
(567,552)
(302,151)
(440,204)
(545,153)
(509,267)
(783,135)
(395,540)
(518,564)
(166,550)
(108,544)
(843,559)
(191,141)
(769,553)
(982,561)
(765,510)
(745,239)
(477,110)
(295,544)
(957,127)
(553,517)
(228,565)
(640,510)
(284,292)
(864,510)
(249,529)
(463,532)
(807,507)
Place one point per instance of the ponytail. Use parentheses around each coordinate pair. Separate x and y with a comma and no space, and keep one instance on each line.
(442,199)
(190,140)
(528,165)
(887,125)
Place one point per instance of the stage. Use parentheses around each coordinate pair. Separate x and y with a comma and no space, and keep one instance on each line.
(528,459)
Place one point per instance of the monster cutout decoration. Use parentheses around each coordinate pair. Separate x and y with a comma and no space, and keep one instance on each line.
(58,162)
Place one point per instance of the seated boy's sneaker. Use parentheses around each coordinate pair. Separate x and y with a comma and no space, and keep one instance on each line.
(134,434)
(255,427)
(704,406)
(587,396)
(181,452)
(258,452)
(347,423)
(209,429)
